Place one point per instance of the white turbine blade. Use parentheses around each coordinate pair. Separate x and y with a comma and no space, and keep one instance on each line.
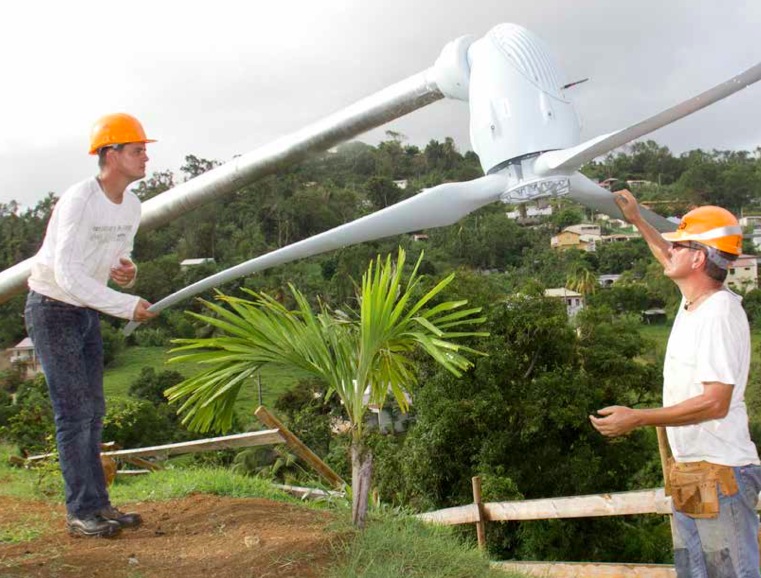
(572,158)
(436,207)
(592,195)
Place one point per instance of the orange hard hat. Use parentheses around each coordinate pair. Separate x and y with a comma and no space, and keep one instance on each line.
(117,128)
(710,226)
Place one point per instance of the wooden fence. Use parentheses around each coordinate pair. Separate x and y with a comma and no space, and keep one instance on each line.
(653,501)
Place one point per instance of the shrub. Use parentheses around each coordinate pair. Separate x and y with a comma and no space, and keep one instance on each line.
(151,385)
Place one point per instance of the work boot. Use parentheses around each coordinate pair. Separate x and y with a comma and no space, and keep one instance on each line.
(92,526)
(129,520)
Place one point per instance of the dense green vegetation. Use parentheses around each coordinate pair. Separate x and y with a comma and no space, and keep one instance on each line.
(519,418)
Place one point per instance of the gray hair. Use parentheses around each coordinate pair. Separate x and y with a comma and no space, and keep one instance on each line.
(717,263)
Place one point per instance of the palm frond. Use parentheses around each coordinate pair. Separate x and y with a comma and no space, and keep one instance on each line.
(350,350)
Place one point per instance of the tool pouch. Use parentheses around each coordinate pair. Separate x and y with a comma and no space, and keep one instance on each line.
(695,487)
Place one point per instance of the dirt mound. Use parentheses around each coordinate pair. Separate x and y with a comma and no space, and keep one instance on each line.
(194,537)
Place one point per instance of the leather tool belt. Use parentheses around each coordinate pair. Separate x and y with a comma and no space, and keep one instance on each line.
(695,487)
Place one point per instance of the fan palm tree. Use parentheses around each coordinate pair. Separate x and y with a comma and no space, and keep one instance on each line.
(352,352)
(582,280)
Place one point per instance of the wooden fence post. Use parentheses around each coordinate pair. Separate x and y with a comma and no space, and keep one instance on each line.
(481,522)
(299,448)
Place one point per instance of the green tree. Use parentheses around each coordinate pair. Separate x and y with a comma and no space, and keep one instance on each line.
(352,352)
(752,305)
(521,418)
(113,341)
(151,385)
(583,280)
(566,217)
(382,192)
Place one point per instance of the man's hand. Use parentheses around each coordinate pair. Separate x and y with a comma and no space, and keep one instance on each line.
(141,312)
(628,205)
(618,420)
(124,274)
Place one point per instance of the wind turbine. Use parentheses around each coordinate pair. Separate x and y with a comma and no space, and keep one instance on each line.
(522,126)
(525,132)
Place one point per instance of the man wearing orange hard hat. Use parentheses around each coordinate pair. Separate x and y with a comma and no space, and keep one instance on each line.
(714,476)
(87,243)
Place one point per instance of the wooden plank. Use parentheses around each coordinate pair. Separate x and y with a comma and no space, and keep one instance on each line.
(619,504)
(16,460)
(299,448)
(141,463)
(103,446)
(452,516)
(244,440)
(587,569)
(309,493)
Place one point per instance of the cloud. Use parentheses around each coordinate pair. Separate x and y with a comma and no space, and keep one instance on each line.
(219,79)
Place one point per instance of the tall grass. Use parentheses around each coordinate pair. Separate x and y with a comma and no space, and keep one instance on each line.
(394,546)
(176,483)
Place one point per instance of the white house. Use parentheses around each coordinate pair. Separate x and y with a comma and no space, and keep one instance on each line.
(23,352)
(585,229)
(743,273)
(527,215)
(608,280)
(386,421)
(574,302)
(750,221)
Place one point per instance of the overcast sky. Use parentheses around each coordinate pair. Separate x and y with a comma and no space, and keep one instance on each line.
(219,78)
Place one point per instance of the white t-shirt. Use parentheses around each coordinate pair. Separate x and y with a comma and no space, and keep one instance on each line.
(711,343)
(86,236)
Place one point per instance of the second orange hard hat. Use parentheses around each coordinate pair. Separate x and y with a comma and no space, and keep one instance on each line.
(711,226)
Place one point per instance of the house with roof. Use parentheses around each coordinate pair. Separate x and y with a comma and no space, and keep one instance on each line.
(23,353)
(530,215)
(583,237)
(608,279)
(750,221)
(743,273)
(619,237)
(574,302)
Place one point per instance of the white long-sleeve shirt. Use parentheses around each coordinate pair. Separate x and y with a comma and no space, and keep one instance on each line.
(86,236)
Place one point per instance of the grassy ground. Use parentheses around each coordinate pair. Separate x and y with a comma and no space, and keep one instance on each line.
(659,335)
(126,368)
(393,544)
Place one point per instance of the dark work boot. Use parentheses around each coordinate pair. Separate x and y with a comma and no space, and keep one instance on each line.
(92,526)
(129,520)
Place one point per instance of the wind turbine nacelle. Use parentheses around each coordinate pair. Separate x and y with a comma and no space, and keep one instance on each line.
(517,104)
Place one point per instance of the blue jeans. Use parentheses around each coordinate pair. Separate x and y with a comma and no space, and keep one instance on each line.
(69,346)
(726,546)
